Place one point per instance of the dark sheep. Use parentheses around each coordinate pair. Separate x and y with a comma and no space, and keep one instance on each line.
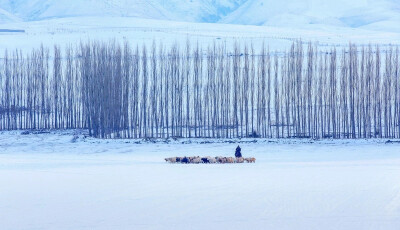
(185,160)
(205,160)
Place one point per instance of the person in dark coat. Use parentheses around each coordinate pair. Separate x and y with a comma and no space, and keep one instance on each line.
(238,152)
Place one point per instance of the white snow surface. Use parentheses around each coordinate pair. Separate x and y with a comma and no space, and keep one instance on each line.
(276,23)
(73,30)
(55,181)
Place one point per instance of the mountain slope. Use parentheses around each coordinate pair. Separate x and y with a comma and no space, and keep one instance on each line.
(6,17)
(371,14)
(354,13)
(180,10)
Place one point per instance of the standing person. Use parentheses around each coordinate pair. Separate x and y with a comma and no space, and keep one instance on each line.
(238,152)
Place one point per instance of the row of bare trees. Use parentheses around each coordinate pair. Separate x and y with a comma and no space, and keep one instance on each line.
(124,91)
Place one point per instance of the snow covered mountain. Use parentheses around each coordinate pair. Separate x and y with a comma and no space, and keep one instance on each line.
(6,17)
(180,10)
(354,13)
(371,14)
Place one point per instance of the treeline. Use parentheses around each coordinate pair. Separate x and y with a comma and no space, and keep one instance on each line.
(122,91)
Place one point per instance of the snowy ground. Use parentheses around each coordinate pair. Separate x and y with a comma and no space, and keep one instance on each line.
(51,181)
(71,31)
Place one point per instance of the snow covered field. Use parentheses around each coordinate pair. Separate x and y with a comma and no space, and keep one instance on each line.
(71,31)
(277,23)
(56,181)
(64,180)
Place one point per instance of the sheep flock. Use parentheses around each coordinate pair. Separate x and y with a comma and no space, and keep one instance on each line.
(210,160)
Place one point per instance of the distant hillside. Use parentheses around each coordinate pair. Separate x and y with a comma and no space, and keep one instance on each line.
(180,10)
(371,14)
(6,17)
(354,13)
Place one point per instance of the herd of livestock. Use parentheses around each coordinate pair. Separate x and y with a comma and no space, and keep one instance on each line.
(210,160)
